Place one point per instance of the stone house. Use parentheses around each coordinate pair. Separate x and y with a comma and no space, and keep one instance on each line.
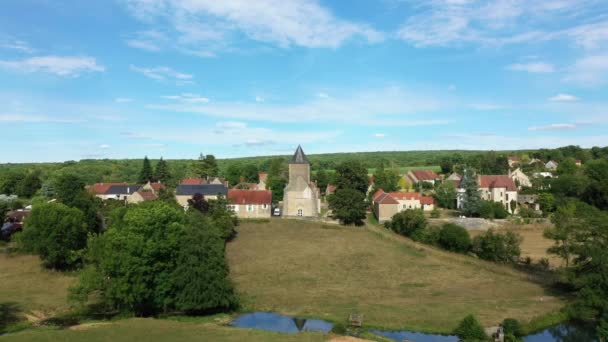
(497,188)
(419,176)
(301,197)
(184,192)
(520,178)
(551,165)
(387,204)
(250,203)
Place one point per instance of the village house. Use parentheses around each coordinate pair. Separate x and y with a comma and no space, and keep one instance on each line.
(250,203)
(184,192)
(199,181)
(529,201)
(262,179)
(100,189)
(301,197)
(513,161)
(520,178)
(497,188)
(114,191)
(419,176)
(551,165)
(387,204)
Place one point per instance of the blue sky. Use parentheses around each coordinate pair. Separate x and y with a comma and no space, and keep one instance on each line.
(173,78)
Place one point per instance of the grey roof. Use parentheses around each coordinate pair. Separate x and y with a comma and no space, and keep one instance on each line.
(122,189)
(299,157)
(203,189)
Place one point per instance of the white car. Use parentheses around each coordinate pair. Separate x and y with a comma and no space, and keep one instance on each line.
(277,212)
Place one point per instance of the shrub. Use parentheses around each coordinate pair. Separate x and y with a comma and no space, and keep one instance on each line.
(408,222)
(470,329)
(435,213)
(339,329)
(454,238)
(497,247)
(492,210)
(428,235)
(512,326)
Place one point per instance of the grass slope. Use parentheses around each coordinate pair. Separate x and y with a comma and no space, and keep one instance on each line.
(306,269)
(156,330)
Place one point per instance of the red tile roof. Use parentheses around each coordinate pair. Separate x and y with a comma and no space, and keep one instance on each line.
(497,181)
(263,176)
(330,189)
(147,195)
(424,175)
(102,188)
(192,181)
(385,198)
(412,196)
(513,158)
(377,194)
(157,186)
(237,196)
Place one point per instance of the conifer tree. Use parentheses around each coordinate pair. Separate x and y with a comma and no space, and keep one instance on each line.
(162,173)
(146,171)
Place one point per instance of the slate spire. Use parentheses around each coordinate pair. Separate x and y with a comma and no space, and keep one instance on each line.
(299,157)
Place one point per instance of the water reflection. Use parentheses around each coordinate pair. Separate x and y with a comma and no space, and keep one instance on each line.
(280,323)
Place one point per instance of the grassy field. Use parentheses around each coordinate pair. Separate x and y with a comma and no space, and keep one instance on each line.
(306,269)
(35,291)
(156,330)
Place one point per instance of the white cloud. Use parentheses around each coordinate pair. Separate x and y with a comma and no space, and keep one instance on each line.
(206,26)
(385,106)
(379,135)
(150,40)
(553,127)
(591,70)
(323,95)
(15,44)
(231,124)
(123,100)
(534,67)
(104,146)
(563,98)
(259,99)
(163,73)
(187,98)
(58,65)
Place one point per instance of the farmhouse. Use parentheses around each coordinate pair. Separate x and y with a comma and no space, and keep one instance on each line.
(520,178)
(387,204)
(551,165)
(497,188)
(184,192)
(301,196)
(419,176)
(250,203)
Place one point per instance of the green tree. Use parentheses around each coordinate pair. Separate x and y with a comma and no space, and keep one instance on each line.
(28,186)
(546,201)
(470,330)
(277,185)
(387,180)
(9,182)
(352,175)
(567,167)
(348,206)
(497,247)
(454,238)
(250,173)
(69,190)
(322,179)
(445,194)
(492,210)
(233,173)
(446,165)
(162,173)
(563,231)
(146,174)
(206,166)
(57,233)
(409,222)
(471,198)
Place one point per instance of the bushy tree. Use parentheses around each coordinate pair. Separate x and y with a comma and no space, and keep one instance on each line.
(57,233)
(322,179)
(250,173)
(492,210)
(454,238)
(199,203)
(146,174)
(69,190)
(277,185)
(387,180)
(497,247)
(563,232)
(567,167)
(28,186)
(352,175)
(348,206)
(9,182)
(470,330)
(162,173)
(207,166)
(546,201)
(408,222)
(445,194)
(233,173)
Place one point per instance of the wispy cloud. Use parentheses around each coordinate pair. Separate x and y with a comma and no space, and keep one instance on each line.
(25,118)
(123,100)
(133,135)
(591,70)
(59,65)
(231,125)
(187,98)
(150,40)
(379,135)
(104,146)
(259,99)
(206,27)
(553,127)
(534,67)
(563,98)
(164,74)
(11,43)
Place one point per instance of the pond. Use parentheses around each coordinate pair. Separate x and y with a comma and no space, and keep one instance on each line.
(292,325)
(280,323)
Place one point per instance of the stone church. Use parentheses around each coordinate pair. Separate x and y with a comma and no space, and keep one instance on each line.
(302,197)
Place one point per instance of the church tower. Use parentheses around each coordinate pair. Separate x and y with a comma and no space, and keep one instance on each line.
(301,197)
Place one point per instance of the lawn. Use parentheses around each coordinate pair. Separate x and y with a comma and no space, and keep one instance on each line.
(34,290)
(156,330)
(307,269)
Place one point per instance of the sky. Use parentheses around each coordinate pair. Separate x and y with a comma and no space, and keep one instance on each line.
(176,78)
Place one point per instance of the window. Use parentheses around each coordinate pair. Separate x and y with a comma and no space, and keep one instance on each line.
(231,207)
(507,197)
(300,212)
(264,206)
(250,207)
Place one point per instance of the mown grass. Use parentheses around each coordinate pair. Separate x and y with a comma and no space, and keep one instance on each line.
(297,268)
(156,330)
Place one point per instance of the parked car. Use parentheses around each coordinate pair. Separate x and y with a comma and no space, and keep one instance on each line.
(276,211)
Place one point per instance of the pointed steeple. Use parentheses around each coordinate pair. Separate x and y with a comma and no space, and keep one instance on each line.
(299,157)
